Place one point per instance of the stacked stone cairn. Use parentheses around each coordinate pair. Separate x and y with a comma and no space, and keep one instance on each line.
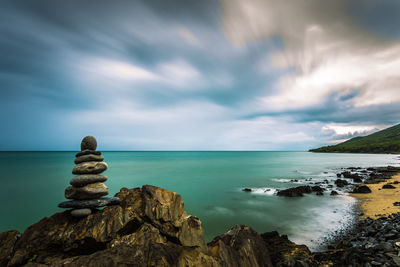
(87,190)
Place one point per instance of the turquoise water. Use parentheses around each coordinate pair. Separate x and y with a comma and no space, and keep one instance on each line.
(210,183)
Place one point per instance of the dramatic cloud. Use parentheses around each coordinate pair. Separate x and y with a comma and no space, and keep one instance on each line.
(172,74)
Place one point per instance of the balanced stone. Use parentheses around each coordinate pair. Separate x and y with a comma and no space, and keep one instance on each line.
(84,179)
(90,191)
(88,142)
(92,203)
(89,157)
(87,152)
(92,167)
(79,213)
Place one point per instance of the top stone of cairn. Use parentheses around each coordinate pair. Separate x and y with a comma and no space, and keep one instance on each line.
(88,143)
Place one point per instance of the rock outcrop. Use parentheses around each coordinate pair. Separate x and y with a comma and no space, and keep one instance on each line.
(149,227)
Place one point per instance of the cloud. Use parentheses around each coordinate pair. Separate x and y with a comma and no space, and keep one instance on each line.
(327,51)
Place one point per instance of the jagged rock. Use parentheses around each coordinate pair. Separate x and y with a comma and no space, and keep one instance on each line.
(240,246)
(317,188)
(285,253)
(361,189)
(87,152)
(334,193)
(90,191)
(93,167)
(91,203)
(341,183)
(7,242)
(88,143)
(149,227)
(295,191)
(85,179)
(89,157)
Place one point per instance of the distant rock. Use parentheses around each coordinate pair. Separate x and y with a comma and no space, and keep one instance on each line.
(388,186)
(246,189)
(295,191)
(334,193)
(341,183)
(361,189)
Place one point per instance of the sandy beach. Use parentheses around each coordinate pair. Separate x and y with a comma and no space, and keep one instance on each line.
(380,201)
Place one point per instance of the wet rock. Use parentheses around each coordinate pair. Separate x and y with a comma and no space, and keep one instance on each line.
(361,189)
(334,193)
(295,191)
(90,168)
(82,180)
(246,190)
(90,191)
(317,188)
(87,158)
(341,183)
(319,194)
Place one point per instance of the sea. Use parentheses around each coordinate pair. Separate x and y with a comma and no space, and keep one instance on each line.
(210,183)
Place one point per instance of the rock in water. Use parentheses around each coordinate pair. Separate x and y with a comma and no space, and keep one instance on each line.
(92,167)
(91,203)
(89,157)
(87,152)
(88,142)
(79,213)
(90,191)
(84,179)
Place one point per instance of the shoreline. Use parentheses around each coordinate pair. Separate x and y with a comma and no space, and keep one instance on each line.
(380,201)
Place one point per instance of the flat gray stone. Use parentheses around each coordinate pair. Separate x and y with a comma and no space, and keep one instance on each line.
(84,179)
(86,152)
(90,191)
(92,167)
(79,213)
(92,203)
(89,157)
(88,142)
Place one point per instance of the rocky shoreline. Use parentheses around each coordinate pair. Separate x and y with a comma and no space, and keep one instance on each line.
(150,227)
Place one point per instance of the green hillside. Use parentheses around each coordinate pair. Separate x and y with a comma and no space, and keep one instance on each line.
(385,141)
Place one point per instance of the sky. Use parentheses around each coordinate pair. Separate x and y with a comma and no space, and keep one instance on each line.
(197,75)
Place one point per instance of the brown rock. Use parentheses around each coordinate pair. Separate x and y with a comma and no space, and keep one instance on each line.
(150,227)
(7,242)
(240,246)
(89,157)
(90,191)
(85,179)
(90,168)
